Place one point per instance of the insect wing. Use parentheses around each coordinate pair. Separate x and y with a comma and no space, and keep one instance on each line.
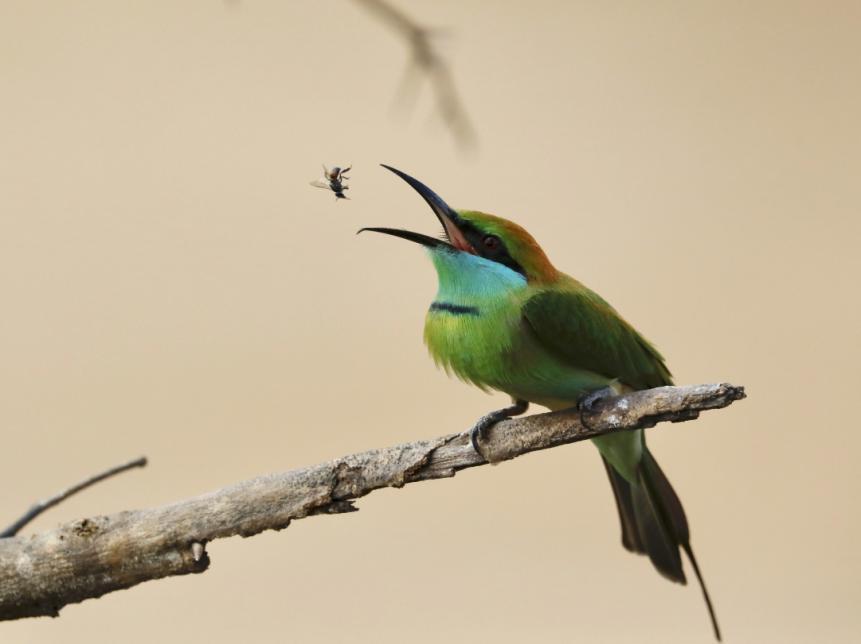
(321,184)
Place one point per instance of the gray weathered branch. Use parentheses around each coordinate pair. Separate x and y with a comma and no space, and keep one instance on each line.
(41,573)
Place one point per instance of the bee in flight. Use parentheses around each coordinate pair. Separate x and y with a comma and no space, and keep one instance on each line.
(334,180)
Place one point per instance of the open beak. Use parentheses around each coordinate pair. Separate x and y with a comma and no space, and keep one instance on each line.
(447,216)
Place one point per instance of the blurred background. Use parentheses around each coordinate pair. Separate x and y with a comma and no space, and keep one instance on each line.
(172,286)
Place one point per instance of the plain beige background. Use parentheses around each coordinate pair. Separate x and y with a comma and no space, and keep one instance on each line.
(171,286)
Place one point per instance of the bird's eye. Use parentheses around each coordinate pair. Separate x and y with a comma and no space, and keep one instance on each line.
(491,242)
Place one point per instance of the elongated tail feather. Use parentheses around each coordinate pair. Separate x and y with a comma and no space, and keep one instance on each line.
(654,523)
(690,553)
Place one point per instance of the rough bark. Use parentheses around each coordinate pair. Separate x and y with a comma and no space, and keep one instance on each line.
(41,573)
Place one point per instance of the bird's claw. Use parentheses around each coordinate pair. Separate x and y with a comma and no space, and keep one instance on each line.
(484,423)
(588,403)
(476,433)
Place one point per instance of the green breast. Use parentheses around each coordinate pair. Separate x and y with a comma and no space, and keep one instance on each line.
(477,342)
(491,347)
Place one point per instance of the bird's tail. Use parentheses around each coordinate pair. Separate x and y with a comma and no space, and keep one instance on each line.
(653,523)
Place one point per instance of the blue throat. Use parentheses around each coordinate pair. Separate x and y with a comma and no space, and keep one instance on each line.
(469,282)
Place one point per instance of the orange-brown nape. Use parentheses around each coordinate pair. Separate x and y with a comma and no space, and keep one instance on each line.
(519,244)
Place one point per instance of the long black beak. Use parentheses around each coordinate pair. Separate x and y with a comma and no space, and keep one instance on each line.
(445,213)
(447,216)
(424,240)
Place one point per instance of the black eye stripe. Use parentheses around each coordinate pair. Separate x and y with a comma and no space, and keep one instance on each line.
(497,253)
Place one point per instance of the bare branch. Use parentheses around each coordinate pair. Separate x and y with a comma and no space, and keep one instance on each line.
(425,58)
(41,506)
(41,573)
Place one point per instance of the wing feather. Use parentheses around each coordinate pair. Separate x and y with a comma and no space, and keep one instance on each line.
(580,326)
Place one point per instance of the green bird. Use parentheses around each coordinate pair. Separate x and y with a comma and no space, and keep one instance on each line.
(505,318)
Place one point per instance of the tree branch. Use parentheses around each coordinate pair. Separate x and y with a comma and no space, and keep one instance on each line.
(38,508)
(41,573)
(426,58)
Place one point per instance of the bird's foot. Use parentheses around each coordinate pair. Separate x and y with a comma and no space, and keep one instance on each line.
(489,420)
(589,403)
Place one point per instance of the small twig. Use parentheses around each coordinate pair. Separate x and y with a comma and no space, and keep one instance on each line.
(426,58)
(41,573)
(46,504)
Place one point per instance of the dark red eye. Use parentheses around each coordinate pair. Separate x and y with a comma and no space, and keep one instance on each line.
(491,242)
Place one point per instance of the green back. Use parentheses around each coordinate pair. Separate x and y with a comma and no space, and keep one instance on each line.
(577,325)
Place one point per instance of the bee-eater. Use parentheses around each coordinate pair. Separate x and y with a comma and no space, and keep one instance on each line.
(505,318)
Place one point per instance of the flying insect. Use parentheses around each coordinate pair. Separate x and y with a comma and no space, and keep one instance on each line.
(333,180)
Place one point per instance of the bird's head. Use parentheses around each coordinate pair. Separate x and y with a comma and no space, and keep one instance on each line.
(479,238)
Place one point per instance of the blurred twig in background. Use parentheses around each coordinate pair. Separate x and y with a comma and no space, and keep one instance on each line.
(41,573)
(41,506)
(425,59)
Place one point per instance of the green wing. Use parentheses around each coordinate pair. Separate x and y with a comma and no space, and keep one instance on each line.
(578,325)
